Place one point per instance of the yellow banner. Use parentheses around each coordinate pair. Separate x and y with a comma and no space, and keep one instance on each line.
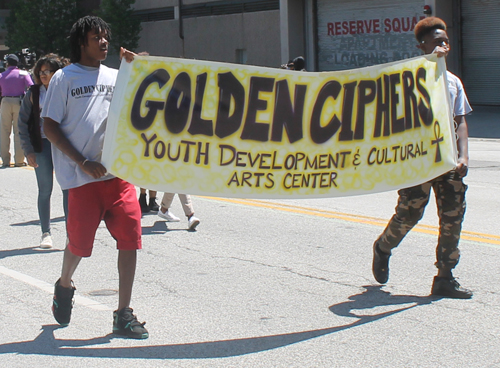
(230,130)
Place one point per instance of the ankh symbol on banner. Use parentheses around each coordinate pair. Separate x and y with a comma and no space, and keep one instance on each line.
(437,133)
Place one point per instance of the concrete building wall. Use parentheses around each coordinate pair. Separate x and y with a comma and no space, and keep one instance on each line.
(269,38)
(161,38)
(217,38)
(153,4)
(292,18)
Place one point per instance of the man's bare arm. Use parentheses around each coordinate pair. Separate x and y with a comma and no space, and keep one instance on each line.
(58,139)
(462,146)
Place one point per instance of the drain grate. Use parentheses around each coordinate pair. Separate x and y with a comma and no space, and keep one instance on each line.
(103,292)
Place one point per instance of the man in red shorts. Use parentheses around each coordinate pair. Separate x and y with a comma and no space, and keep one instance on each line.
(74,118)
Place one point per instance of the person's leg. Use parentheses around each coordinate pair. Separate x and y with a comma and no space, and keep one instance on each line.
(6,120)
(85,211)
(84,216)
(70,263)
(62,302)
(410,209)
(153,206)
(127,262)
(44,177)
(187,206)
(18,151)
(143,202)
(124,321)
(65,204)
(167,200)
(450,200)
(164,211)
(123,220)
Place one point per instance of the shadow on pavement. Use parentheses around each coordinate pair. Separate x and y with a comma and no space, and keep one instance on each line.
(160,227)
(373,296)
(37,222)
(26,252)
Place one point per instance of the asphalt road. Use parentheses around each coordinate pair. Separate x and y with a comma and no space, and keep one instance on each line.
(260,284)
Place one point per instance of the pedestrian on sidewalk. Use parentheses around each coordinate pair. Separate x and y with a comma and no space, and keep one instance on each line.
(40,157)
(13,84)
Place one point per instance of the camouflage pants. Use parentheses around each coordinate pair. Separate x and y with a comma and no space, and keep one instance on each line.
(450,191)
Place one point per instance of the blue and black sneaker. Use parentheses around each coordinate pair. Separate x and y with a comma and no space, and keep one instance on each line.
(125,323)
(62,304)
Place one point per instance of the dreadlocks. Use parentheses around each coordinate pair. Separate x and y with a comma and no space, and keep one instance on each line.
(428,25)
(78,34)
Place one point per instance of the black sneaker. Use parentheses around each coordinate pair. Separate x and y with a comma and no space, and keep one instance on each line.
(126,323)
(449,288)
(143,203)
(153,206)
(62,304)
(380,266)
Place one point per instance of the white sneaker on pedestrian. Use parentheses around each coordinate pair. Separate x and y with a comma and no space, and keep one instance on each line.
(169,216)
(46,241)
(193,222)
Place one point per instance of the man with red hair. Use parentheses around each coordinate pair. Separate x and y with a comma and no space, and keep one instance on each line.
(449,188)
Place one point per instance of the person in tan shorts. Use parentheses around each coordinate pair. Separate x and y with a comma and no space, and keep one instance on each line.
(187,206)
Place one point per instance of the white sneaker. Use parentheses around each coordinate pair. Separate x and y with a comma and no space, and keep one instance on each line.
(169,216)
(193,222)
(46,241)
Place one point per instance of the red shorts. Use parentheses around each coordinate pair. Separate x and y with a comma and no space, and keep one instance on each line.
(115,202)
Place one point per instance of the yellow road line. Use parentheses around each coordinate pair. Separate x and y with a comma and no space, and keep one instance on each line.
(368,220)
(425,229)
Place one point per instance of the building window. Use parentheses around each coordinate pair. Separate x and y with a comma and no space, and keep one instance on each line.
(241,56)
(212,8)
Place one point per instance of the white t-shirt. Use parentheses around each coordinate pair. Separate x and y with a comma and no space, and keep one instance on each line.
(78,98)
(459,102)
